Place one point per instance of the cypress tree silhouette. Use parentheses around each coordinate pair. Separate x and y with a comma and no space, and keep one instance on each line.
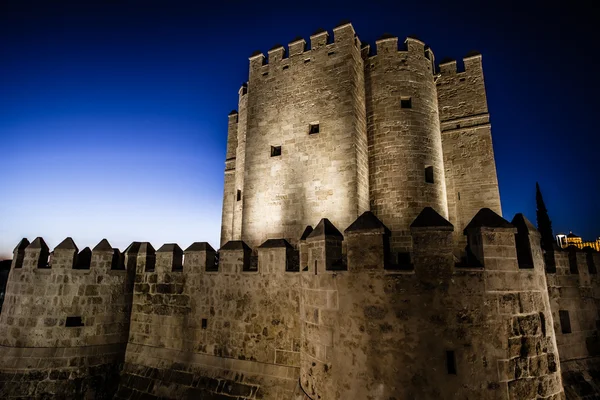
(543,221)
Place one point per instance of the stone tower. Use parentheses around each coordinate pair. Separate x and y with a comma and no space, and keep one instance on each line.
(338,129)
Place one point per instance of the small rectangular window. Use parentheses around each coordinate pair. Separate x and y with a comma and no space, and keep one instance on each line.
(313,128)
(204,323)
(565,321)
(285,67)
(451,362)
(275,151)
(244,89)
(406,102)
(429,174)
(73,322)
(238,196)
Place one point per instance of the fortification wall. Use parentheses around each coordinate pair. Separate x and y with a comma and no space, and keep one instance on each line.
(229,192)
(470,168)
(63,331)
(406,170)
(292,177)
(481,333)
(574,290)
(198,331)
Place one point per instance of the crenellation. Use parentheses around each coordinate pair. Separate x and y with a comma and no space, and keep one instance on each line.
(19,254)
(319,39)
(81,315)
(200,257)
(276,55)
(169,257)
(37,255)
(428,293)
(388,45)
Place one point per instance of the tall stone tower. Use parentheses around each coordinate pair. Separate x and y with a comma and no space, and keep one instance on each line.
(337,129)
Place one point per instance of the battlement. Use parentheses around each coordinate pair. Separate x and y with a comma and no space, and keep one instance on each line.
(282,57)
(342,34)
(389,44)
(471,63)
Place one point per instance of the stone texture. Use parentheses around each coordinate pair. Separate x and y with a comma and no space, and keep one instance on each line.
(314,314)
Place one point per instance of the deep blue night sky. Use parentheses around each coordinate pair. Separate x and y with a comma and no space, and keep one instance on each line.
(113,115)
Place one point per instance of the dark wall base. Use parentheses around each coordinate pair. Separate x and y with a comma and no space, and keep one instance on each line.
(581,379)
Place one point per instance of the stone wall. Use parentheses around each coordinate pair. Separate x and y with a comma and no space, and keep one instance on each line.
(230,196)
(404,137)
(470,169)
(574,290)
(435,332)
(393,137)
(336,321)
(65,321)
(317,174)
(197,330)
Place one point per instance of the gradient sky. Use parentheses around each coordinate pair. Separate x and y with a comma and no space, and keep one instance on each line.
(113,115)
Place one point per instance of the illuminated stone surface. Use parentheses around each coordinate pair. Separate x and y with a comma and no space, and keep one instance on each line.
(428,293)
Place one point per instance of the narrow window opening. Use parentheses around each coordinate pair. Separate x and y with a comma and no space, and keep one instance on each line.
(429,174)
(244,89)
(451,362)
(285,67)
(315,267)
(204,323)
(565,321)
(275,151)
(73,322)
(265,73)
(543,323)
(307,61)
(462,79)
(427,56)
(238,196)
(457,126)
(406,102)
(459,196)
(331,53)
(313,129)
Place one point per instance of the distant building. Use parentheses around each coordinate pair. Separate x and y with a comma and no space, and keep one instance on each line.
(572,239)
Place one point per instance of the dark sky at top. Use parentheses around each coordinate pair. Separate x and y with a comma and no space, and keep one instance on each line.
(113,115)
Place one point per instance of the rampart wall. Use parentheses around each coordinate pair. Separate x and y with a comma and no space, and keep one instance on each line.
(200,329)
(65,321)
(574,290)
(479,332)
(333,320)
